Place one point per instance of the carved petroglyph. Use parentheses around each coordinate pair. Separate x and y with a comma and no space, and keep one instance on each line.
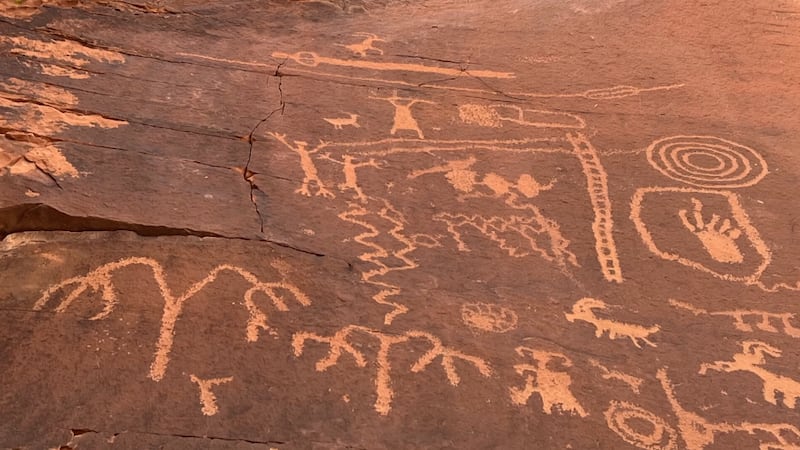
(458,173)
(763,319)
(101,279)
(349,168)
(71,53)
(707,161)
(615,92)
(540,234)
(698,433)
(722,247)
(340,122)
(628,421)
(34,158)
(464,179)
(494,115)
(207,397)
(489,317)
(634,383)
(365,46)
(584,310)
(719,239)
(312,59)
(341,342)
(39,111)
(310,174)
(551,385)
(751,359)
(403,118)
(380,256)
(603,224)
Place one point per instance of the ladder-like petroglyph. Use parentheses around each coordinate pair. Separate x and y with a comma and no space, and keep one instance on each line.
(603,225)
(584,310)
(341,342)
(101,279)
(746,319)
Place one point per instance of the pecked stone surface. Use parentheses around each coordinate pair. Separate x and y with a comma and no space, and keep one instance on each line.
(368,224)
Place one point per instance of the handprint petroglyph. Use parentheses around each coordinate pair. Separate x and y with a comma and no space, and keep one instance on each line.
(719,239)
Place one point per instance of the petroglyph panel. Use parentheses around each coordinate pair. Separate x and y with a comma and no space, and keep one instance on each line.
(358,223)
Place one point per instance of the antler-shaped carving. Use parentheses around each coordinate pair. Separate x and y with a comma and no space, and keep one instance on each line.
(340,342)
(101,279)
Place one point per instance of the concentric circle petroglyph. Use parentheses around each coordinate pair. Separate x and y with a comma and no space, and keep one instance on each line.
(489,317)
(707,161)
(657,435)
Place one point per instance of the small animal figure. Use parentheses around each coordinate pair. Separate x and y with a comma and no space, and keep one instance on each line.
(340,122)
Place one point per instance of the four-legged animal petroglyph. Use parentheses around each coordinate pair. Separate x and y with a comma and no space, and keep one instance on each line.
(207,397)
(719,239)
(751,359)
(763,320)
(100,279)
(340,122)
(403,118)
(307,164)
(584,310)
(551,385)
(340,342)
(367,45)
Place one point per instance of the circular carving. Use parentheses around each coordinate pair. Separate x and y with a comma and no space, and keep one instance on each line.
(650,433)
(707,161)
(488,317)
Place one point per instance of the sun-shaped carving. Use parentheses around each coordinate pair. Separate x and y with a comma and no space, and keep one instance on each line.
(489,317)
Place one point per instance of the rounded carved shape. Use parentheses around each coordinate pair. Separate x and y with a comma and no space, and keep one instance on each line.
(627,421)
(489,317)
(707,161)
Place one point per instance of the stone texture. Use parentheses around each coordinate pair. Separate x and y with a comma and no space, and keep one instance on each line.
(369,224)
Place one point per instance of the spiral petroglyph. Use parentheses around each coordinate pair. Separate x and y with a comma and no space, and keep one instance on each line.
(707,161)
